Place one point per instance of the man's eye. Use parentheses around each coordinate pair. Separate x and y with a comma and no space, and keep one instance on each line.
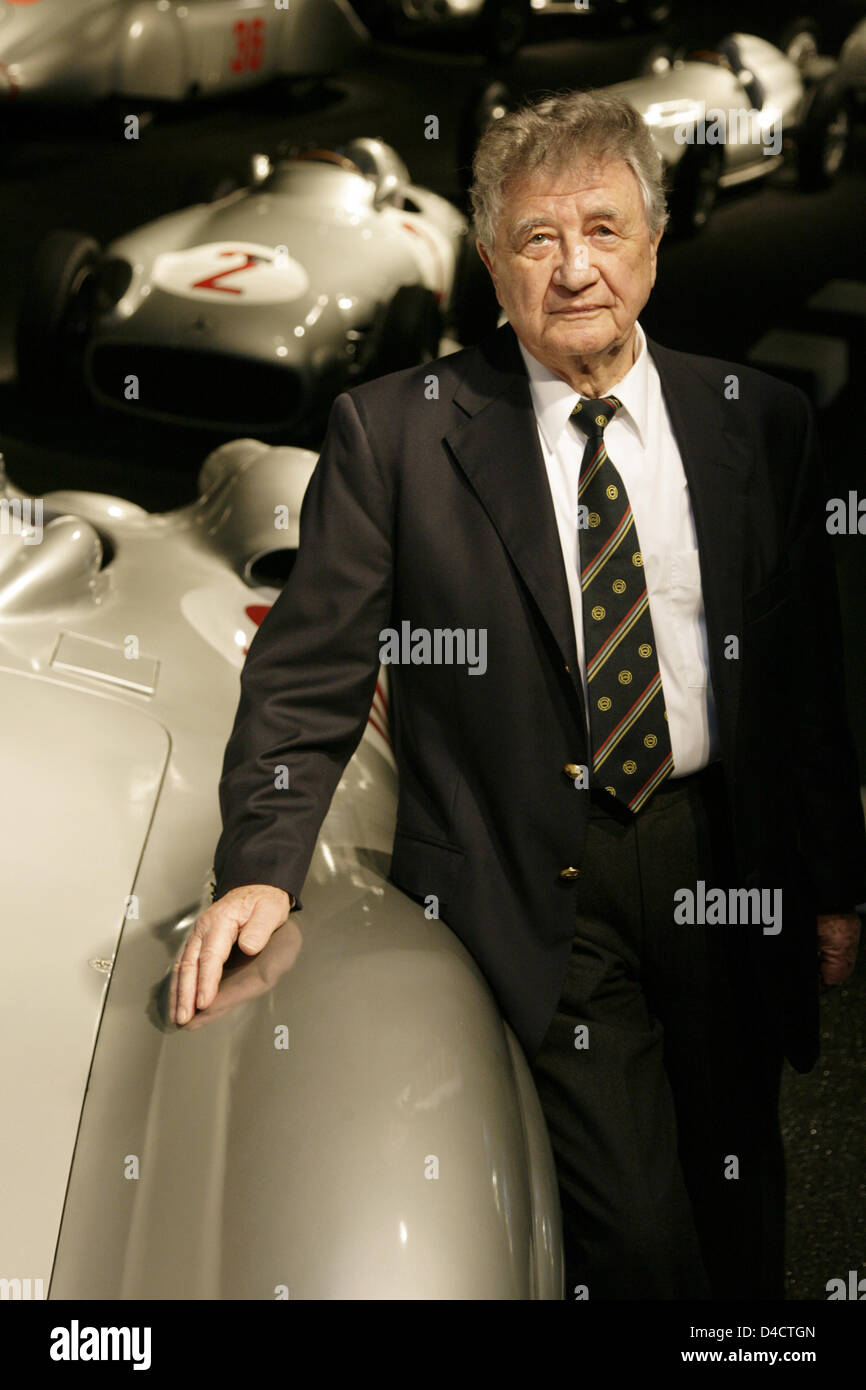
(538,237)
(607,230)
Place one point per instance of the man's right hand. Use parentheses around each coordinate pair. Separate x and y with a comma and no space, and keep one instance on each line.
(248,916)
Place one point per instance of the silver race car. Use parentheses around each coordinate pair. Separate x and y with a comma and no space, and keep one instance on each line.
(351,1118)
(726,116)
(251,312)
(166,50)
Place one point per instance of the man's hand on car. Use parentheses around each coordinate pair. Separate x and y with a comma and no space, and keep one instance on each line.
(248,916)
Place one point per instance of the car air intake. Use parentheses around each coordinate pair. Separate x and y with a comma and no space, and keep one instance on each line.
(195,387)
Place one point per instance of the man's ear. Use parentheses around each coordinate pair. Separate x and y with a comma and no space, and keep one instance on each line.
(654,249)
(483,253)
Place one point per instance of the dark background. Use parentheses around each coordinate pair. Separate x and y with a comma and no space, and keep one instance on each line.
(765,252)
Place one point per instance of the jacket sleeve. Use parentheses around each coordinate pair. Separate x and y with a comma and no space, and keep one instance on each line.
(829,809)
(308,680)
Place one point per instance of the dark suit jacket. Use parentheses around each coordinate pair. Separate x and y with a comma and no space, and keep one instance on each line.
(438,511)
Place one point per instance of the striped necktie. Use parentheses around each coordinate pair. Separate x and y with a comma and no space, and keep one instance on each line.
(631,745)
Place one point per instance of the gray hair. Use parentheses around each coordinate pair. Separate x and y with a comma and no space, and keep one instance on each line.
(553,134)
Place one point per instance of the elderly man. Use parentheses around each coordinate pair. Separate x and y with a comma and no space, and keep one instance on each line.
(643,817)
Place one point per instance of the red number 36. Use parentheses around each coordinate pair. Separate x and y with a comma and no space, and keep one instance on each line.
(249,45)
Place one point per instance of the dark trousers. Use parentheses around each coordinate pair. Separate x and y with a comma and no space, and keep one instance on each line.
(659,1087)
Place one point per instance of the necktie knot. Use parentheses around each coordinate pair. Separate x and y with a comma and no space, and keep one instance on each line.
(593,416)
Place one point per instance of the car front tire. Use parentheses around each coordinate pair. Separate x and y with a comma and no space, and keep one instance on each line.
(474,308)
(695,189)
(55,310)
(409,331)
(822,144)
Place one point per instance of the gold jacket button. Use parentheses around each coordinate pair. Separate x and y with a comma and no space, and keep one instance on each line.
(569,873)
(572,770)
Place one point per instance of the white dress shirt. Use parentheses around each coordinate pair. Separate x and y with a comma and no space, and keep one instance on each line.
(642,447)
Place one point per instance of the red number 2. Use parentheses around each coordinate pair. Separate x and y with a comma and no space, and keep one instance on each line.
(249,45)
(211,282)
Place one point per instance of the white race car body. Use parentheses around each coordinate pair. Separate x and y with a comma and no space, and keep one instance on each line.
(252,312)
(677,101)
(166,50)
(280,1144)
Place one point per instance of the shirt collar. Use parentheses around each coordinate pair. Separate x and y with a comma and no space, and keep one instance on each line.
(554,400)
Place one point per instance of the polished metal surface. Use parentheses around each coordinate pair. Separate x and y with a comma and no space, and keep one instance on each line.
(351,1118)
(167,50)
(82,775)
(288,274)
(687,92)
(119,683)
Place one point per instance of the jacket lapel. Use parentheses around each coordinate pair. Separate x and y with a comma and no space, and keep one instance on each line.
(497,447)
(717,460)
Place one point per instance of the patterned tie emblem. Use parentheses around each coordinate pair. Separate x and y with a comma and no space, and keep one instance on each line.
(631,745)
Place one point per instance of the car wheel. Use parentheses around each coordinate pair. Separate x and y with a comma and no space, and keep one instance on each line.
(695,188)
(474,310)
(822,144)
(799,40)
(503,27)
(490,104)
(55,311)
(409,330)
(485,105)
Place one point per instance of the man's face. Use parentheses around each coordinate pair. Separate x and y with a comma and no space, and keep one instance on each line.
(573,261)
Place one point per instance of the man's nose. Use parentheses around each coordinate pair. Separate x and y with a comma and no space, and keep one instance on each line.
(574,271)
